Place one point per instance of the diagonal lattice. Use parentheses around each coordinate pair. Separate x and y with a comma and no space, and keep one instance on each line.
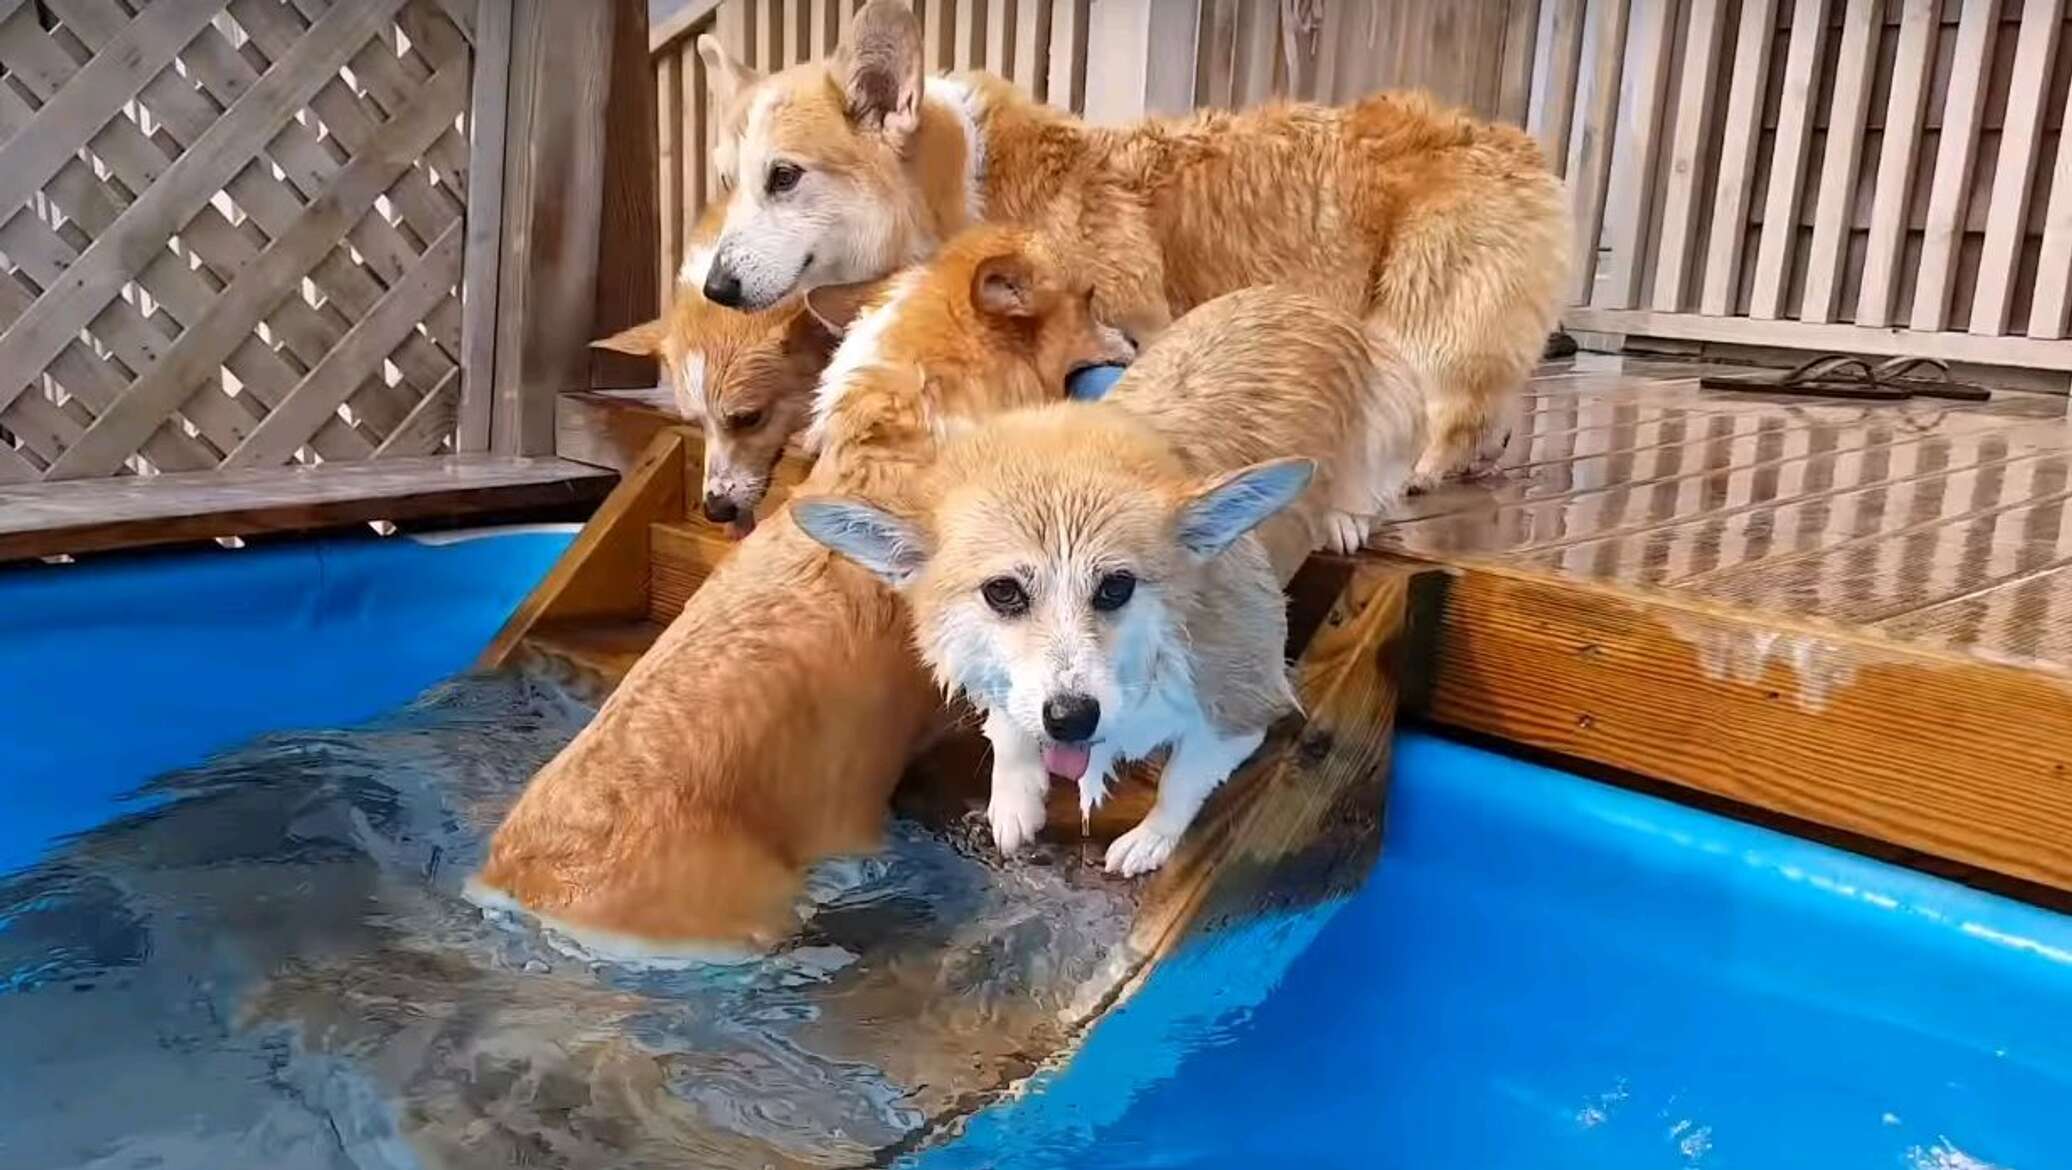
(232,232)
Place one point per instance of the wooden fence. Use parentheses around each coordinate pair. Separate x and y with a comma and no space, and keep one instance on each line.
(1874,176)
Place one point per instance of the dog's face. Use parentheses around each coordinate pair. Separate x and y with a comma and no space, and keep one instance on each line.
(748,378)
(1057,569)
(813,158)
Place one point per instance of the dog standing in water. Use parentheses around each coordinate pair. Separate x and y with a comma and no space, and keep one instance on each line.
(767,726)
(1104,579)
(1447,234)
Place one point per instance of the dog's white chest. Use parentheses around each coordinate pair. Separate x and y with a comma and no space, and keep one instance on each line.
(1165,714)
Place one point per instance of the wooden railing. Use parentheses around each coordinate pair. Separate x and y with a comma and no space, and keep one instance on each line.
(1855,175)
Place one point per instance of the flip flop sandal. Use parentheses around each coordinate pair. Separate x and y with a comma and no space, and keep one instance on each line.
(1900,372)
(1827,376)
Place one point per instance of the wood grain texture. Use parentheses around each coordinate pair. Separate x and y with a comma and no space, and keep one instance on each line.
(487,111)
(629,224)
(1834,204)
(1954,758)
(50,519)
(1740,137)
(1906,107)
(603,576)
(1949,195)
(1794,137)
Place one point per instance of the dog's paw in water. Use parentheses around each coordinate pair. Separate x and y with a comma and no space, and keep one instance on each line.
(1016,817)
(1140,850)
(1345,533)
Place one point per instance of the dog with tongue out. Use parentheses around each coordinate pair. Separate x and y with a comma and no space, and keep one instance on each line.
(1098,599)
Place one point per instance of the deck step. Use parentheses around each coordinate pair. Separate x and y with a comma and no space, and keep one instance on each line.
(682,553)
(599,651)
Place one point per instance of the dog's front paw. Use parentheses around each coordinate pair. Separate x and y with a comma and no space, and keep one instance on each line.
(1140,850)
(1345,533)
(1016,819)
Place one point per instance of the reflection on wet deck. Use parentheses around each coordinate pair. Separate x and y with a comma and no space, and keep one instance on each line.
(1936,523)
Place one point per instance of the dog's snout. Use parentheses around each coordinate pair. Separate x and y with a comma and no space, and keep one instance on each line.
(1071,718)
(722,286)
(720,509)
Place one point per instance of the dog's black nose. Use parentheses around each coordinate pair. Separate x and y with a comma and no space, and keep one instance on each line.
(722,287)
(720,509)
(1071,718)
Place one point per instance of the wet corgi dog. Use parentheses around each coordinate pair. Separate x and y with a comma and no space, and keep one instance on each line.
(1447,233)
(746,377)
(767,726)
(1103,580)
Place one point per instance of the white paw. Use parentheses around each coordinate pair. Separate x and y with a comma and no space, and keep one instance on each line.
(1345,533)
(1016,818)
(1140,850)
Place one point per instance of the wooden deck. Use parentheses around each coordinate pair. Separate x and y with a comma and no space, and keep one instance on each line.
(93,515)
(1844,617)
(1855,615)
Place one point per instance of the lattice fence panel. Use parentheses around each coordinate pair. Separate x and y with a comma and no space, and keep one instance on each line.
(234,232)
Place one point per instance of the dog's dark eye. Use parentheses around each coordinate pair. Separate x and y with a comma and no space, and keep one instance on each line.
(1005,595)
(783,177)
(744,420)
(1114,592)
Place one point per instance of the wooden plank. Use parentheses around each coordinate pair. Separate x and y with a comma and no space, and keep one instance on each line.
(672,204)
(428,424)
(1945,755)
(1905,110)
(553,181)
(770,51)
(487,112)
(1834,207)
(1258,49)
(1963,111)
(1788,161)
(370,341)
(697,180)
(1304,818)
(1067,85)
(1949,346)
(998,51)
(967,48)
(2021,129)
(734,22)
(610,428)
(1514,85)
(1739,137)
(188,183)
(1590,151)
(938,28)
(229,321)
(1636,147)
(1031,43)
(604,572)
(1688,159)
(628,261)
(1556,62)
(2050,315)
(93,95)
(84,516)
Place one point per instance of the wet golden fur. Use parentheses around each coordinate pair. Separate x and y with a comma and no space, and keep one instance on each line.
(767,726)
(1449,234)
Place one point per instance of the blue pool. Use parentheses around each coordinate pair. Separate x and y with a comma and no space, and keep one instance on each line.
(1543,972)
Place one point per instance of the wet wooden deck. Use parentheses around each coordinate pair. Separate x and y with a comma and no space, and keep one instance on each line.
(1853,614)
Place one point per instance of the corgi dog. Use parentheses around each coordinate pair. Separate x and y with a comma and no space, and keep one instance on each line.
(1103,580)
(746,377)
(766,727)
(1448,234)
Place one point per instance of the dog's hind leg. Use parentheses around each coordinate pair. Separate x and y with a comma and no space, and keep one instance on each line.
(1199,763)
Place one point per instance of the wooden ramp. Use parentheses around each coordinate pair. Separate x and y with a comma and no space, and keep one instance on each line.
(1301,823)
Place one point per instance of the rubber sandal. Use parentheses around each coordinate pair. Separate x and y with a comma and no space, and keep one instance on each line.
(1830,375)
(1900,372)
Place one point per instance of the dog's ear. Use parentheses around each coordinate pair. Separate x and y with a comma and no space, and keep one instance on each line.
(829,310)
(879,68)
(643,340)
(726,76)
(1004,286)
(888,546)
(1227,507)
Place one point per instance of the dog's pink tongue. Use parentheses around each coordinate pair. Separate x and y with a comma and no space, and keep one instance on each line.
(1065,759)
(739,527)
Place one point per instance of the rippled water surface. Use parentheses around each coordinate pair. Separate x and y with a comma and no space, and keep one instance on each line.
(268,963)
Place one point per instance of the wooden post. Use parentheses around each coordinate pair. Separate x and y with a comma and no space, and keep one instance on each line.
(628,280)
(1135,64)
(554,152)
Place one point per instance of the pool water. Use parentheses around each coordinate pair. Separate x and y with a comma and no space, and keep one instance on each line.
(228,941)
